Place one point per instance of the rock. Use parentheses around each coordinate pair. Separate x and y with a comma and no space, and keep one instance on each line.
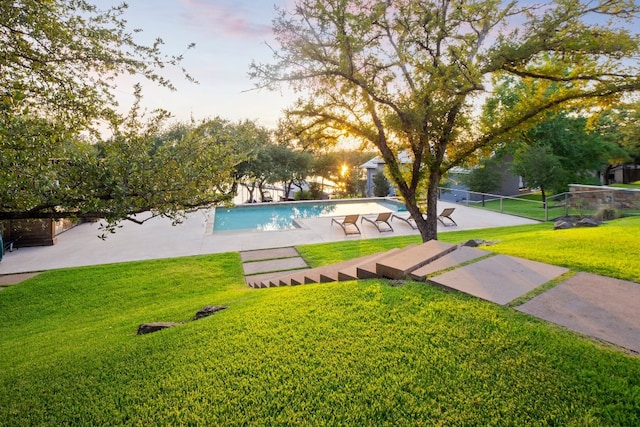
(562,225)
(587,222)
(208,311)
(569,222)
(473,243)
(147,328)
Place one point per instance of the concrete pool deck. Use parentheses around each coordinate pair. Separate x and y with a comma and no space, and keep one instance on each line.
(158,239)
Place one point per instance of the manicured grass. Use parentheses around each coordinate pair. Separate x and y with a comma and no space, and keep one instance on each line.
(352,353)
(633,185)
(524,206)
(611,249)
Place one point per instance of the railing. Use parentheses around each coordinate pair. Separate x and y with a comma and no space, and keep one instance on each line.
(574,203)
(523,207)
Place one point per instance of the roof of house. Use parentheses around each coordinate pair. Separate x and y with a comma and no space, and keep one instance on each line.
(403,156)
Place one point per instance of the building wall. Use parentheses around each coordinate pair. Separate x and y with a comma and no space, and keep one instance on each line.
(626,174)
(31,232)
(35,232)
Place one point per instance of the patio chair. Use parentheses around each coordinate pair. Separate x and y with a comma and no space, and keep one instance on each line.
(409,220)
(346,222)
(446,214)
(382,218)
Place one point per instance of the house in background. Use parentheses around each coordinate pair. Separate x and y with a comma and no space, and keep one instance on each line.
(34,232)
(453,188)
(455,191)
(376,165)
(624,174)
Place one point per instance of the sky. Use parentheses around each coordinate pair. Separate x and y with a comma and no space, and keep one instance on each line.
(228,35)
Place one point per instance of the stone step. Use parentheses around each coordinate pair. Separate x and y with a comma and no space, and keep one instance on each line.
(323,274)
(350,272)
(400,265)
(499,279)
(329,273)
(266,254)
(273,265)
(367,270)
(459,256)
(393,264)
(255,281)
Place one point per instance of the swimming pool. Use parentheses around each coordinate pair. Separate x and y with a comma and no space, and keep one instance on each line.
(283,216)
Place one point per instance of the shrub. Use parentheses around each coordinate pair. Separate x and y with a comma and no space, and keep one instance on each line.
(381,187)
(606,213)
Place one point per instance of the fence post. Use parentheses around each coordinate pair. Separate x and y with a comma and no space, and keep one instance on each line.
(546,211)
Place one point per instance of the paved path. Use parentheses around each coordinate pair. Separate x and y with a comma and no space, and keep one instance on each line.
(600,307)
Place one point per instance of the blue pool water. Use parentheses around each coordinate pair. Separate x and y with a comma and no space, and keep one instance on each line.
(282,216)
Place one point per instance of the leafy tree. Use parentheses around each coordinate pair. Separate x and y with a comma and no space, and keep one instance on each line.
(291,167)
(620,127)
(130,173)
(381,187)
(61,57)
(58,72)
(256,170)
(483,179)
(404,75)
(539,167)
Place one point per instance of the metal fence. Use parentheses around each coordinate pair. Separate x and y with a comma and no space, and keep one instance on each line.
(591,202)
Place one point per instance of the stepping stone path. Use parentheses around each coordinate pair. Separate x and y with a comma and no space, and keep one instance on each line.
(497,278)
(264,264)
(500,278)
(593,305)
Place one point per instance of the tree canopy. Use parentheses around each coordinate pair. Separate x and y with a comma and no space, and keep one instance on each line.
(59,69)
(407,76)
(61,59)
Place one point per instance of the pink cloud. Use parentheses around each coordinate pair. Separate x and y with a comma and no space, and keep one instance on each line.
(228,18)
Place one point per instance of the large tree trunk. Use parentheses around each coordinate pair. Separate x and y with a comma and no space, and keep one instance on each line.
(428,227)
(431,231)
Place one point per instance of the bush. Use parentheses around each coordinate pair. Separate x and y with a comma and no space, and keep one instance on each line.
(302,195)
(315,191)
(381,187)
(606,214)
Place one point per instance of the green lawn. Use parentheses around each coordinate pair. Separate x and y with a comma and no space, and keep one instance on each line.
(352,353)
(633,185)
(528,206)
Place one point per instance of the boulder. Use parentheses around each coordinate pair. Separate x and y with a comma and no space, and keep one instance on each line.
(570,222)
(147,328)
(473,243)
(208,311)
(562,225)
(587,222)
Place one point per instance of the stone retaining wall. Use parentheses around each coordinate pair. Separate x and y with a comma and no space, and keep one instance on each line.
(596,197)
